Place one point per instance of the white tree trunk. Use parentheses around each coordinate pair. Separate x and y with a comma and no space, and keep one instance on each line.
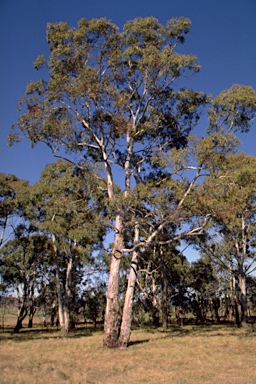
(111,323)
(243,300)
(125,330)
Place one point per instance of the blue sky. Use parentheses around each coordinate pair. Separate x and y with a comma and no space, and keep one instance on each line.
(222,36)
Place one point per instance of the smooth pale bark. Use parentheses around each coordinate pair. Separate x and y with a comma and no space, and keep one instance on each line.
(32,307)
(67,299)
(125,330)
(111,323)
(60,303)
(111,320)
(155,303)
(22,310)
(236,310)
(164,303)
(242,277)
(243,300)
(234,299)
(58,289)
(63,304)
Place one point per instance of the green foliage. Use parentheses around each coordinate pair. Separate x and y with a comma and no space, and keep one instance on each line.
(14,194)
(104,84)
(22,261)
(233,109)
(65,206)
(94,303)
(229,190)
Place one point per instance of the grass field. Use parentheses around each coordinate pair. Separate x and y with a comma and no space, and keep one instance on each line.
(183,355)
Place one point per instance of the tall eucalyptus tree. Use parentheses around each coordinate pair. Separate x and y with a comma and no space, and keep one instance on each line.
(112,97)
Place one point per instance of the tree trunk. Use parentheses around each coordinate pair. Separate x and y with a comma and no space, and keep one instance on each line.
(66,326)
(30,321)
(234,299)
(18,325)
(63,304)
(22,309)
(22,313)
(125,331)
(155,314)
(67,300)
(111,323)
(111,326)
(243,300)
(32,311)
(215,307)
(63,317)
(32,307)
(53,313)
(164,303)
(236,310)
(155,306)
(60,304)
(242,256)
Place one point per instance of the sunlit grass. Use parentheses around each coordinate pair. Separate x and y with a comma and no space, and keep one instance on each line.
(183,355)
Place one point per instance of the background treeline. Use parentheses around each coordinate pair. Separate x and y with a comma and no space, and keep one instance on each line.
(54,261)
(136,171)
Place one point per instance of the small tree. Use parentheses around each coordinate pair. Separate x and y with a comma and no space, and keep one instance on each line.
(161,279)
(203,290)
(22,262)
(231,238)
(95,303)
(67,213)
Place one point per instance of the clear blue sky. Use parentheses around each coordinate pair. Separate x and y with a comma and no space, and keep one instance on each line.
(223,37)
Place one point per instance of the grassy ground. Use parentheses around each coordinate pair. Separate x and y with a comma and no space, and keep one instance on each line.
(183,355)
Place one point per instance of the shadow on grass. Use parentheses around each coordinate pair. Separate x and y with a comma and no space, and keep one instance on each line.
(206,330)
(136,342)
(212,330)
(29,334)
(174,331)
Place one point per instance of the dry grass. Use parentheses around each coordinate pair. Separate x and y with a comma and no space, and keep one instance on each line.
(184,355)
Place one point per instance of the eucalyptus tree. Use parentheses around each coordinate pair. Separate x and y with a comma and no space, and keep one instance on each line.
(203,290)
(66,212)
(231,239)
(22,261)
(112,97)
(173,194)
(233,110)
(161,278)
(21,245)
